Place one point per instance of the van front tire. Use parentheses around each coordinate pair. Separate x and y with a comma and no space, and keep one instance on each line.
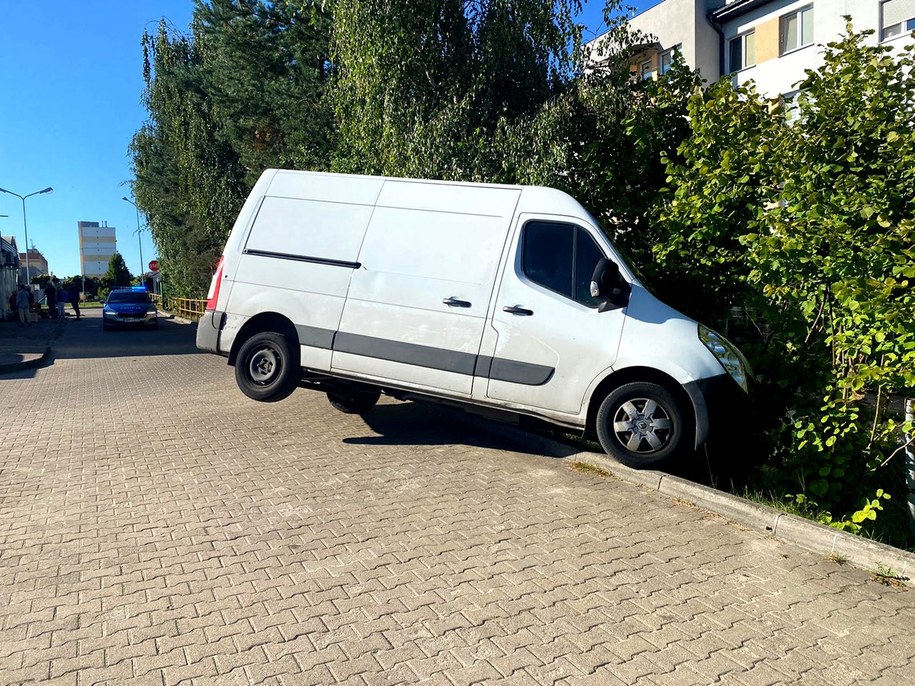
(642,425)
(267,367)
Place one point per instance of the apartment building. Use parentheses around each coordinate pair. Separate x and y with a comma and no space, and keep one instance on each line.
(769,42)
(97,245)
(773,42)
(37,265)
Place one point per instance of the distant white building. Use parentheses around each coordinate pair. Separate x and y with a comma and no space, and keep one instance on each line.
(97,245)
(771,42)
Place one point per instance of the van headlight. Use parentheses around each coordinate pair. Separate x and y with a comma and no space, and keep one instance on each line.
(728,356)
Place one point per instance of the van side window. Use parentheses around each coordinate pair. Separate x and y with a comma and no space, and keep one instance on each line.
(560,257)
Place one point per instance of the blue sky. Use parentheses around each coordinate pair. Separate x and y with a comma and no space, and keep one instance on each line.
(70,87)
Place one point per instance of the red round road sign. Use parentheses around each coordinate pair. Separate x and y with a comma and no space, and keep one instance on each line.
(154,265)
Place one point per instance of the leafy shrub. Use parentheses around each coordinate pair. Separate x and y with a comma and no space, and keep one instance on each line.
(807,227)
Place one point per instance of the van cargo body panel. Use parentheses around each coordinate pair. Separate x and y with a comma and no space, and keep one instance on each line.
(410,288)
(309,230)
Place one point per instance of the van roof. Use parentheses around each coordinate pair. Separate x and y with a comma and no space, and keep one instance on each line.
(533,199)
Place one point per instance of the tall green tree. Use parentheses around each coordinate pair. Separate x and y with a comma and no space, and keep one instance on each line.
(242,92)
(421,85)
(117,274)
(265,67)
(189,181)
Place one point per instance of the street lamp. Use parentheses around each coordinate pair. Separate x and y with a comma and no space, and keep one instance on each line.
(139,239)
(25,226)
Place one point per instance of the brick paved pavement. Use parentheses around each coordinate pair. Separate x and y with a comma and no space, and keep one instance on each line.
(220,541)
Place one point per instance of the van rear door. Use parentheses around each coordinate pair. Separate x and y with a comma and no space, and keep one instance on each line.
(300,254)
(416,307)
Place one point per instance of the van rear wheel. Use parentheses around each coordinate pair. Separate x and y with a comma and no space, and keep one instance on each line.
(267,367)
(355,400)
(642,425)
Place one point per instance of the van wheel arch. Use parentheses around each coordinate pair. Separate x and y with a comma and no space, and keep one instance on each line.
(266,321)
(636,375)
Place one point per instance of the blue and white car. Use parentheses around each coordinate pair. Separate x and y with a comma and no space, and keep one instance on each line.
(129,307)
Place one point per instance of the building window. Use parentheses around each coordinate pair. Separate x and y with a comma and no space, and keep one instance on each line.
(896,17)
(742,51)
(796,29)
(646,70)
(667,59)
(791,102)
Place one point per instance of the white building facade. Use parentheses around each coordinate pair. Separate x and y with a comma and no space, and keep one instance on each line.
(768,42)
(773,42)
(97,245)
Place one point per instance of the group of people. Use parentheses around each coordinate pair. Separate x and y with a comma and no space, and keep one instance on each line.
(56,298)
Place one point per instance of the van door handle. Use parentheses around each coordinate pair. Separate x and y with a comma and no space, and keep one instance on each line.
(455,302)
(517,309)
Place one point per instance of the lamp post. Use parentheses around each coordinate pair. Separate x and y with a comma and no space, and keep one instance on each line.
(25,226)
(139,239)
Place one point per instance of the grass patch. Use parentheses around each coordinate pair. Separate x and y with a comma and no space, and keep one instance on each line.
(788,505)
(888,577)
(587,468)
(838,558)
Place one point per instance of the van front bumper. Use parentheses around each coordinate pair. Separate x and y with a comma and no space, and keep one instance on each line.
(721,407)
(208,329)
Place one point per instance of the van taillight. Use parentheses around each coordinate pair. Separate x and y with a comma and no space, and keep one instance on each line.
(213,294)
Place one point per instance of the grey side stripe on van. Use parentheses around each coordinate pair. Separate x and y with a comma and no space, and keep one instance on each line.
(468,364)
(303,258)
(314,337)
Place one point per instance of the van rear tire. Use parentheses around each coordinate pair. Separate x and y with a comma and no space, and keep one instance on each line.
(267,368)
(354,401)
(642,425)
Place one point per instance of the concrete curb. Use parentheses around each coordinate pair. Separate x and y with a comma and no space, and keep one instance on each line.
(806,534)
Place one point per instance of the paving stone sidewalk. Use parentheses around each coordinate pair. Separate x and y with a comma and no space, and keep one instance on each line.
(26,344)
(156,527)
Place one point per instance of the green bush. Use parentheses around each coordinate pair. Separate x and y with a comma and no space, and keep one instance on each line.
(807,227)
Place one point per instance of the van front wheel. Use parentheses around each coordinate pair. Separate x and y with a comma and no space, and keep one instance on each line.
(642,425)
(267,367)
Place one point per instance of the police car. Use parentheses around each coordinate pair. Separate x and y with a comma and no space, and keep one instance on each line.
(129,307)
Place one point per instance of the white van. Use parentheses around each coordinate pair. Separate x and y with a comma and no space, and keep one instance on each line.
(500,297)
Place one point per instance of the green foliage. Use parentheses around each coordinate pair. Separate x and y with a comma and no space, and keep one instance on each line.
(807,226)
(422,86)
(117,275)
(188,182)
(243,92)
(264,68)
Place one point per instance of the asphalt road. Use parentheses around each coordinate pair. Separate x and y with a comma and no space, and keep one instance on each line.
(157,527)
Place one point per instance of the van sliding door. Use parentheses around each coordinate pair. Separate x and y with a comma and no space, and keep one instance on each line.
(416,307)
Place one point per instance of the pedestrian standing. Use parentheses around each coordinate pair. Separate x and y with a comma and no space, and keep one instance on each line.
(51,300)
(62,298)
(74,298)
(22,304)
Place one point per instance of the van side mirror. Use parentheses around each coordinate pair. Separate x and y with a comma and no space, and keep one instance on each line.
(609,286)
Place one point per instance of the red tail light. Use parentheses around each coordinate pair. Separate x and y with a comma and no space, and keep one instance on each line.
(213,294)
